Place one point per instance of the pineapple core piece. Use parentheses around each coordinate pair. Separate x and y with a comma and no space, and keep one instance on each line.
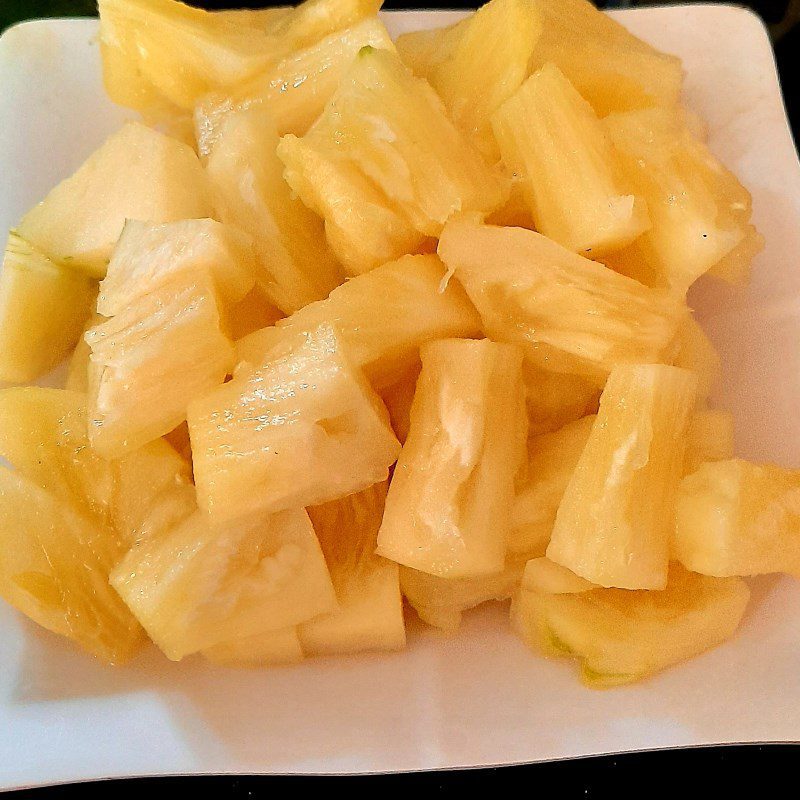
(197,586)
(620,636)
(43,308)
(737,518)
(614,523)
(570,315)
(300,430)
(556,147)
(295,264)
(393,127)
(383,317)
(137,173)
(149,361)
(260,650)
(448,508)
(370,615)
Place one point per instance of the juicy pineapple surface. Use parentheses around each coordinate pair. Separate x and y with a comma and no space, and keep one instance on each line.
(302,429)
(709,437)
(260,650)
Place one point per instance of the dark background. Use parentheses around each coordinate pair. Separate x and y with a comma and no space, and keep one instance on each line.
(715,772)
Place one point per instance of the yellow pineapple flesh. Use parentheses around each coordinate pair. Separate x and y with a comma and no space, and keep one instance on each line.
(613,526)
(709,437)
(78,368)
(424,50)
(545,576)
(252,313)
(260,650)
(448,508)
(697,353)
(399,398)
(555,399)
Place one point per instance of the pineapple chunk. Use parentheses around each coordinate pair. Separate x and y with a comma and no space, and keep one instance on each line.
(252,313)
(555,399)
(544,575)
(294,90)
(149,361)
(398,399)
(78,368)
(197,586)
(738,518)
(300,430)
(260,650)
(295,265)
(441,602)
(551,139)
(370,615)
(394,129)
(137,173)
(570,315)
(610,67)
(423,51)
(43,308)
(614,522)
(149,256)
(698,354)
(54,566)
(552,459)
(486,66)
(383,317)
(708,438)
(448,509)
(700,212)
(621,636)
(362,228)
(265,19)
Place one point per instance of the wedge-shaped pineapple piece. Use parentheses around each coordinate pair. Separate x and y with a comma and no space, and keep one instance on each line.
(383,317)
(197,586)
(252,313)
(569,314)
(550,137)
(295,264)
(698,354)
(362,228)
(399,398)
(295,89)
(299,430)
(138,173)
(609,66)
(394,128)
(738,518)
(556,399)
(148,256)
(614,522)
(448,508)
(43,308)
(441,602)
(552,459)
(700,213)
(708,438)
(370,615)
(54,566)
(619,636)
(149,361)
(272,648)
(543,575)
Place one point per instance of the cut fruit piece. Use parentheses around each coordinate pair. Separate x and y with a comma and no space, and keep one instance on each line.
(295,264)
(178,440)
(43,308)
(544,575)
(614,523)
(620,636)
(554,399)
(398,399)
(196,586)
(569,314)
(708,438)
(738,518)
(440,602)
(54,566)
(551,139)
(252,313)
(552,459)
(394,128)
(149,361)
(78,369)
(265,19)
(700,212)
(423,51)
(300,430)
(362,228)
(137,173)
(698,354)
(448,509)
(148,256)
(370,615)
(609,66)
(294,90)
(383,317)
(272,648)
(486,66)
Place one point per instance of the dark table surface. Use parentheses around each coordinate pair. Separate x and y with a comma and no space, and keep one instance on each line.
(714,772)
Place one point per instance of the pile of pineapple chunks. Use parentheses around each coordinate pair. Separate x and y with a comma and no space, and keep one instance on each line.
(353,320)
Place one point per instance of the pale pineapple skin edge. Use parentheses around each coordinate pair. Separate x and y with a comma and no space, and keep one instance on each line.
(357,326)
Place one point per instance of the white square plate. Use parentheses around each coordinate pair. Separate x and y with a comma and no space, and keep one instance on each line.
(479,698)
